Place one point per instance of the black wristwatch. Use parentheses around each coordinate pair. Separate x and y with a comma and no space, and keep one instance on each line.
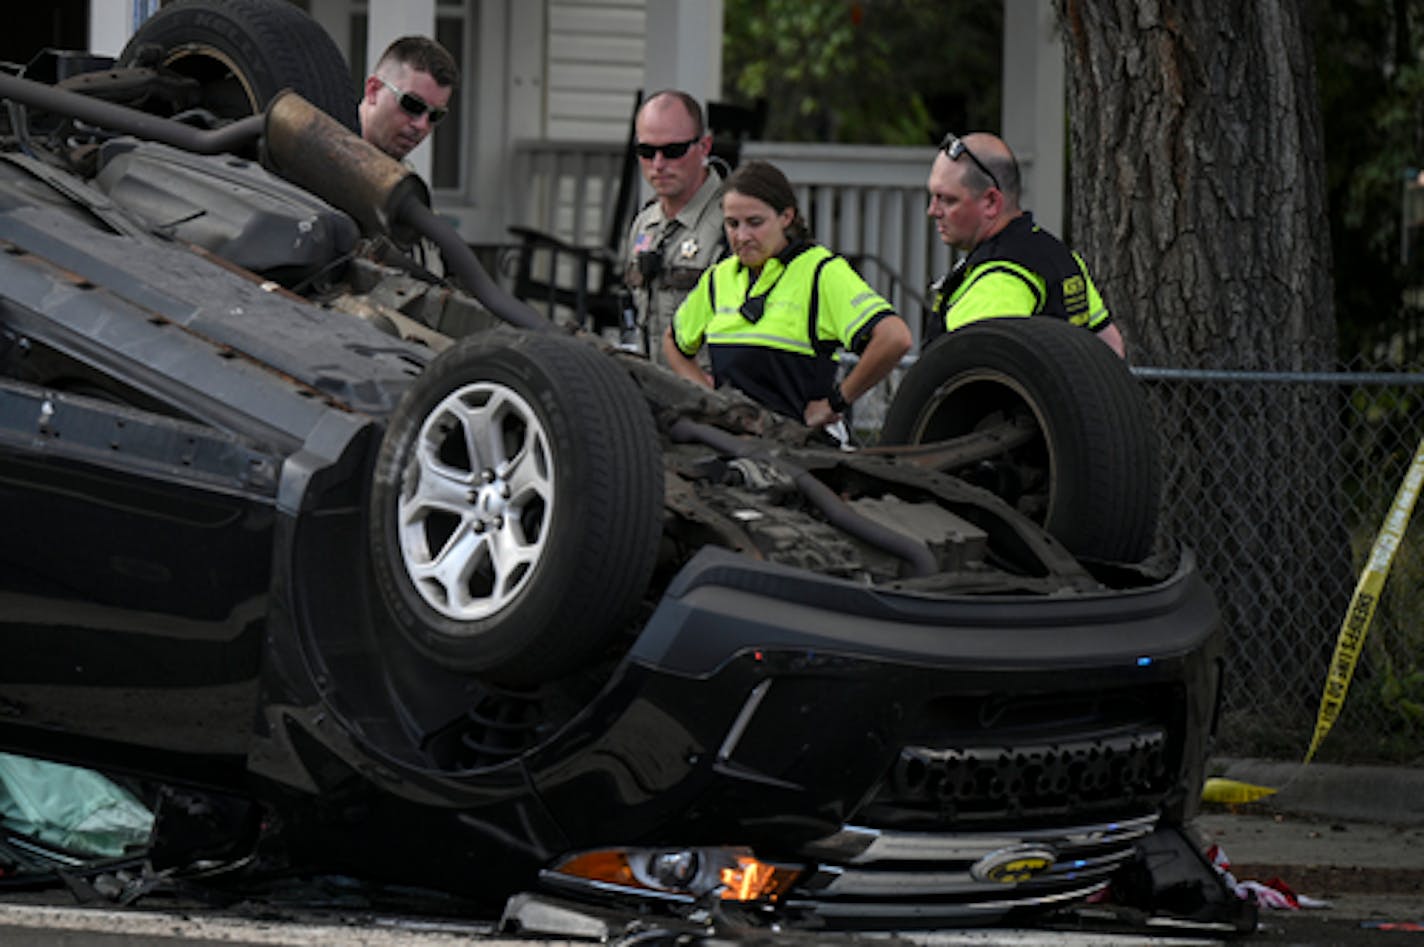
(837,400)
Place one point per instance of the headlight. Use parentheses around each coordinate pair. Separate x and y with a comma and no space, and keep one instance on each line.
(733,874)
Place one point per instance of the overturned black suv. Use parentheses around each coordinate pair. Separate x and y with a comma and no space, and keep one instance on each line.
(350,575)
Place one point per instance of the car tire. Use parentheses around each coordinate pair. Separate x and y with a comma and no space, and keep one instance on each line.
(516,506)
(243,52)
(1090,474)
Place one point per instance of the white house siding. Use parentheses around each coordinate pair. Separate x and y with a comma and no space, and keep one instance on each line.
(593,71)
(595,66)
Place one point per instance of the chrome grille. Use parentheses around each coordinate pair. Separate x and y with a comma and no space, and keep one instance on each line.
(952,873)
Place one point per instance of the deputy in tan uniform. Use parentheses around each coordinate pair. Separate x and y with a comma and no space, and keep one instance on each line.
(678,233)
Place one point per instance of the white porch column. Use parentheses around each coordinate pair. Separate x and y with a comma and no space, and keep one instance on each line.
(389,20)
(684,47)
(1034,105)
(112,22)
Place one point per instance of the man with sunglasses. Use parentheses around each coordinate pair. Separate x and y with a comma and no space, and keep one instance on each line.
(402,101)
(678,233)
(1013,267)
(407,94)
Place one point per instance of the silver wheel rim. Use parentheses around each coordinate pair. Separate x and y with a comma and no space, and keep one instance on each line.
(476,502)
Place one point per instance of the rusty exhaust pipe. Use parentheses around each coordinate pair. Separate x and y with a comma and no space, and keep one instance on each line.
(313,150)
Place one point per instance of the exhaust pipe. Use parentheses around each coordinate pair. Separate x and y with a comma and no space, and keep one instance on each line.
(310,148)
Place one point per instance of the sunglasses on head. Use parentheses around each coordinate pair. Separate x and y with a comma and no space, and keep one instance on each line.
(952,146)
(671,151)
(413,105)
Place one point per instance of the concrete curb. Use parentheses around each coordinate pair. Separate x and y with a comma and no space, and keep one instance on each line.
(1392,795)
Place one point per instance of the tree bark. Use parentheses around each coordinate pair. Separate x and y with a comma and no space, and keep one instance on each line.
(1199,202)
(1198,179)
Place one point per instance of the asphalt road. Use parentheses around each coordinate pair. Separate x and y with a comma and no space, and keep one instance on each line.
(23,925)
(56,924)
(42,926)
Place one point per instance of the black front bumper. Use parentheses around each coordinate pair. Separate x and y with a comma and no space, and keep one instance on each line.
(919,757)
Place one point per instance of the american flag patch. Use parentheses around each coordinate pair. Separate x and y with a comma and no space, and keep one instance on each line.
(642,243)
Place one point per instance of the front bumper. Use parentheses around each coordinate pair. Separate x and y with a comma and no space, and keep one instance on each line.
(917,758)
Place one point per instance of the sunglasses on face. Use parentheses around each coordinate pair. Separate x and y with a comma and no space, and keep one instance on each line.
(413,105)
(952,146)
(671,151)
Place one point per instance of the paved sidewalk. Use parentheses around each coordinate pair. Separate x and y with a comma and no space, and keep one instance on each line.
(1388,794)
(1349,835)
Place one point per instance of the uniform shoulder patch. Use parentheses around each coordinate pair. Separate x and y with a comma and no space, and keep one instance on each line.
(1075,294)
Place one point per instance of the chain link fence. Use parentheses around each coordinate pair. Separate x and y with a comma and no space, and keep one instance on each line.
(1280,482)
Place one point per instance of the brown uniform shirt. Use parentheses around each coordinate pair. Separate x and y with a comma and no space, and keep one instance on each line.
(685,245)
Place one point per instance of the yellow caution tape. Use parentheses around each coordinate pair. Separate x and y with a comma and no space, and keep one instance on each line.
(1352,633)
(1362,605)
(1231,792)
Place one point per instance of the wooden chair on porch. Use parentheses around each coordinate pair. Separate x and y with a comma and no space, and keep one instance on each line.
(591,294)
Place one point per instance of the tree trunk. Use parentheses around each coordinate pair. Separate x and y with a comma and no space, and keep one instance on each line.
(1199,202)
(1198,179)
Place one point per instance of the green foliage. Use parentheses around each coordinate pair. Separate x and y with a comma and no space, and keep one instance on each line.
(1394,701)
(1381,428)
(866,71)
(1402,691)
(1371,89)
